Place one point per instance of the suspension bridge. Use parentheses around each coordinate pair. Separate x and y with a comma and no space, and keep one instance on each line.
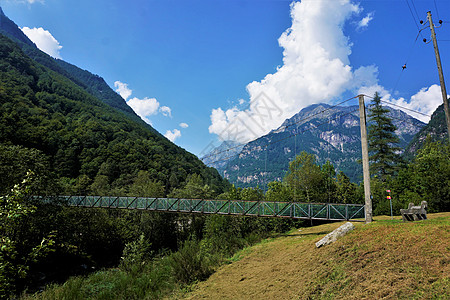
(274,209)
(294,210)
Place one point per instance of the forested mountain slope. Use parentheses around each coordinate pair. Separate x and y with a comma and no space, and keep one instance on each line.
(436,129)
(329,132)
(93,84)
(84,143)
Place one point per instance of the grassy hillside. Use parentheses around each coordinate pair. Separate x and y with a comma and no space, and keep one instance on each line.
(383,260)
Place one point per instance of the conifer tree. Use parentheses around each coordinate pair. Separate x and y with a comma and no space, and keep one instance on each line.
(383,151)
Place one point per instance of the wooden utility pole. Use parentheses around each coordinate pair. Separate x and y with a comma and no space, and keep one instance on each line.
(441,75)
(365,159)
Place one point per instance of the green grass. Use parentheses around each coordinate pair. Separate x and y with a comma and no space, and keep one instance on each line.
(152,283)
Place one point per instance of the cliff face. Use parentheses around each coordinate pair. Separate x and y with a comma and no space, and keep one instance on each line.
(331,133)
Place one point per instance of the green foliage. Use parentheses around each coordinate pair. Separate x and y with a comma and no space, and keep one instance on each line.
(135,255)
(382,141)
(144,186)
(305,178)
(347,191)
(194,189)
(16,161)
(436,130)
(252,194)
(427,178)
(224,235)
(153,282)
(191,263)
(88,145)
(278,191)
(16,257)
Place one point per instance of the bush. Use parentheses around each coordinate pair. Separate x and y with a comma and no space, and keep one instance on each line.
(191,263)
(135,255)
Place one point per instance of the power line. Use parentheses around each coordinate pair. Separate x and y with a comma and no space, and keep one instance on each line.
(320,112)
(287,126)
(315,126)
(409,121)
(405,108)
(412,110)
(412,15)
(407,59)
(292,135)
(437,11)
(414,6)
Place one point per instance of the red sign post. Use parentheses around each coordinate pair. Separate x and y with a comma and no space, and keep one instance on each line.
(390,201)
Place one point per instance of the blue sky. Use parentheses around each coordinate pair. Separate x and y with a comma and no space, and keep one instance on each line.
(194,69)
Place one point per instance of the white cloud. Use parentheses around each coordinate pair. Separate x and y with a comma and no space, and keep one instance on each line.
(425,101)
(122,89)
(184,125)
(365,21)
(316,68)
(172,135)
(44,40)
(144,107)
(29,1)
(166,111)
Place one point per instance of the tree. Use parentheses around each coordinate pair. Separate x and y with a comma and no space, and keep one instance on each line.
(15,257)
(305,178)
(346,190)
(194,189)
(278,191)
(143,186)
(427,178)
(384,155)
(329,178)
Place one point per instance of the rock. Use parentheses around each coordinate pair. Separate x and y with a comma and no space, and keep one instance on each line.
(335,234)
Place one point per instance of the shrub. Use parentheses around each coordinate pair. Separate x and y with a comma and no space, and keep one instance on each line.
(191,263)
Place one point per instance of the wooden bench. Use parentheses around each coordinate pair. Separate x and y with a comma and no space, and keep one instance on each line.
(414,213)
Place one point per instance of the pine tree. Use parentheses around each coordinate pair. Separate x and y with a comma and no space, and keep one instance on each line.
(383,151)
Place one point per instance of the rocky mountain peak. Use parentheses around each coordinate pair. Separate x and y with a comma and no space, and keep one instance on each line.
(330,132)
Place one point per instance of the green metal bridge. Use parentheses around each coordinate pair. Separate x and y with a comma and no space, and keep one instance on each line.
(295,210)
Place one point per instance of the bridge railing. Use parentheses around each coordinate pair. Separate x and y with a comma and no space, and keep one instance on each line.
(296,210)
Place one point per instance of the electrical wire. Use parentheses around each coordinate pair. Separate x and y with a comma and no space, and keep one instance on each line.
(414,6)
(292,135)
(437,11)
(323,123)
(412,15)
(405,108)
(287,126)
(407,59)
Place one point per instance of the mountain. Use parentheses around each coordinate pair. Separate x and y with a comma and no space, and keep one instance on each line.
(330,132)
(219,156)
(436,129)
(62,130)
(91,83)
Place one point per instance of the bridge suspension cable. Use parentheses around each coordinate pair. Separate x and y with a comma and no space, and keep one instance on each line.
(292,135)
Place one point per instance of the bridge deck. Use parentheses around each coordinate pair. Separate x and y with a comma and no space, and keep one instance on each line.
(296,210)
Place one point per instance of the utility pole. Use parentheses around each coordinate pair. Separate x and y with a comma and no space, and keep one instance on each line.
(365,159)
(441,75)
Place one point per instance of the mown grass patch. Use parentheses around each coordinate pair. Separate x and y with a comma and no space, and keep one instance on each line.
(387,259)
